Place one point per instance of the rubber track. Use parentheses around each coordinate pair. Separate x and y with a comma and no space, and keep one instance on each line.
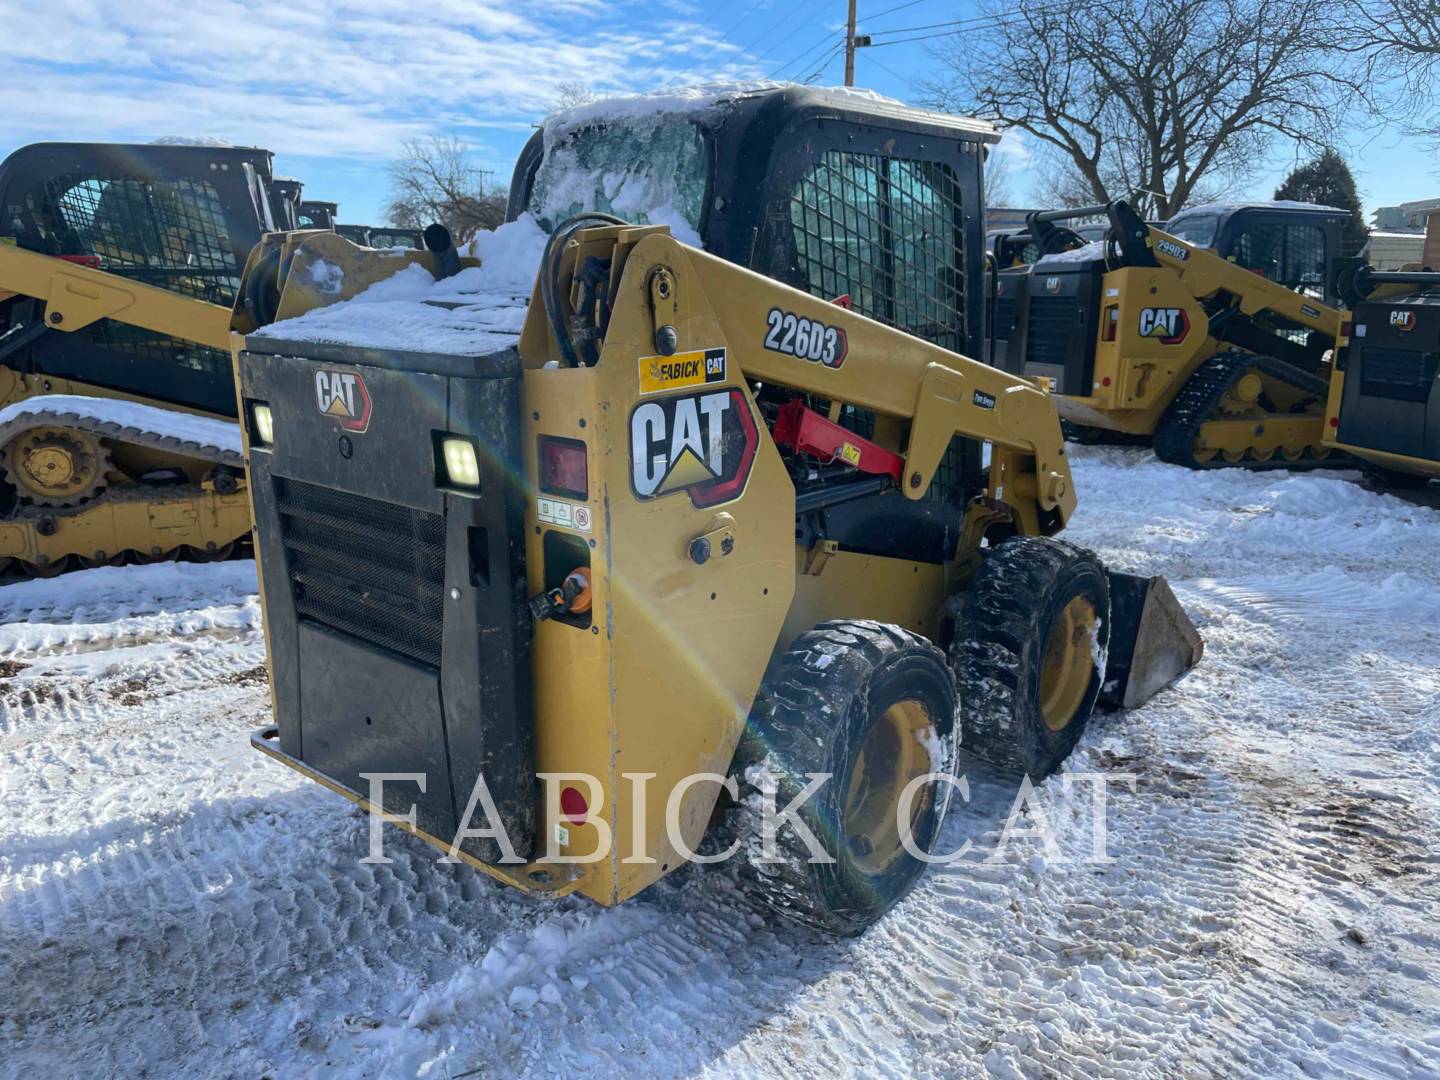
(1199,399)
(109,430)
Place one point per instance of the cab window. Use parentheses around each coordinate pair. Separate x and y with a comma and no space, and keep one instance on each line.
(646,173)
(887,232)
(169,233)
(1197,229)
(1292,255)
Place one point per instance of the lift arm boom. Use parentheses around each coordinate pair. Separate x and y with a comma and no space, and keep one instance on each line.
(76,296)
(923,395)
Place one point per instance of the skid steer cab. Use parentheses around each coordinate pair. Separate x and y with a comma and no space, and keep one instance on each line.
(1384,402)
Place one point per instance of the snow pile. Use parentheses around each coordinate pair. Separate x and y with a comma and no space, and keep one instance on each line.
(1264,903)
(478,311)
(510,255)
(1281,204)
(196,140)
(1093,250)
(205,431)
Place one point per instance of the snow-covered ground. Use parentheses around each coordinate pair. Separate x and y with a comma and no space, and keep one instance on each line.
(173,902)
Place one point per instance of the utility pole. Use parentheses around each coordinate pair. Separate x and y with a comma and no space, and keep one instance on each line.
(850,47)
(853,41)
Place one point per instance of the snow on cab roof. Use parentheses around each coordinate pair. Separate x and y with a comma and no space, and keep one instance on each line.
(1274,204)
(702,98)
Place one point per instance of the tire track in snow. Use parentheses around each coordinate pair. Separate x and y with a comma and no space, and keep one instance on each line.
(1285,797)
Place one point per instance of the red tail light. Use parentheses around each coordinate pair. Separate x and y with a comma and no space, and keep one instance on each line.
(1346,328)
(1112,323)
(92,261)
(573,806)
(563,469)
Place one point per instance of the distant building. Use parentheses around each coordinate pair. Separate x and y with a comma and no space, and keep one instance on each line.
(1408,217)
(1393,250)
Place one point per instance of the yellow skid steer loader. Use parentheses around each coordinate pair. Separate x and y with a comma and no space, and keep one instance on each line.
(638,552)
(688,521)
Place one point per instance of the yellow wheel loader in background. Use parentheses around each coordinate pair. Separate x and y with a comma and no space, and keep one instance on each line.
(119,266)
(1216,360)
(1384,401)
(645,542)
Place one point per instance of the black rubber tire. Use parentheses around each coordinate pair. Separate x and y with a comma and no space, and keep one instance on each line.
(1082,434)
(1003,624)
(1393,480)
(816,707)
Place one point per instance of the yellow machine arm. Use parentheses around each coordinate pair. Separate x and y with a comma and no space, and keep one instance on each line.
(76,296)
(923,395)
(1207,274)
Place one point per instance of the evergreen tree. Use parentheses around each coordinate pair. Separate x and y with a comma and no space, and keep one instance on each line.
(1327,181)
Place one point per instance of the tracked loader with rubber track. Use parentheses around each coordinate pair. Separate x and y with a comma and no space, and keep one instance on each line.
(118,270)
(1147,336)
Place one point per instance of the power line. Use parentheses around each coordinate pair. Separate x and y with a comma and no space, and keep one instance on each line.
(886,68)
(897,7)
(781,16)
(799,9)
(909,29)
(804,55)
(956,26)
(824,63)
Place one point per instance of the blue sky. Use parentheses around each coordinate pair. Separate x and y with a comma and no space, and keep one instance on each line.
(335,86)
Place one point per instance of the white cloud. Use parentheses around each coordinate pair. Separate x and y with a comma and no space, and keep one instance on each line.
(328,77)
(1014,145)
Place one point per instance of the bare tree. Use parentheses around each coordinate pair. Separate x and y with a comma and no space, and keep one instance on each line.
(1148,99)
(1059,183)
(434,180)
(1399,44)
(998,189)
(570,94)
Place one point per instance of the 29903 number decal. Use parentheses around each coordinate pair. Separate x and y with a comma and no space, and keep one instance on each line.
(806,339)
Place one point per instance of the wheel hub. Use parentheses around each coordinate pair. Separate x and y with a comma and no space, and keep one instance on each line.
(55,466)
(895,752)
(1069,663)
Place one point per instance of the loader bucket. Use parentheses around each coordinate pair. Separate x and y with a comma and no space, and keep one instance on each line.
(1152,641)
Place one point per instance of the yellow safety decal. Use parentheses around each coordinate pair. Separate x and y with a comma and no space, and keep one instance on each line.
(698,368)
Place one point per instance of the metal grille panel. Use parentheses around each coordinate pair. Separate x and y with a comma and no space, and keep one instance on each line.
(1398,374)
(369,569)
(887,232)
(1051,321)
(168,233)
(1004,316)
